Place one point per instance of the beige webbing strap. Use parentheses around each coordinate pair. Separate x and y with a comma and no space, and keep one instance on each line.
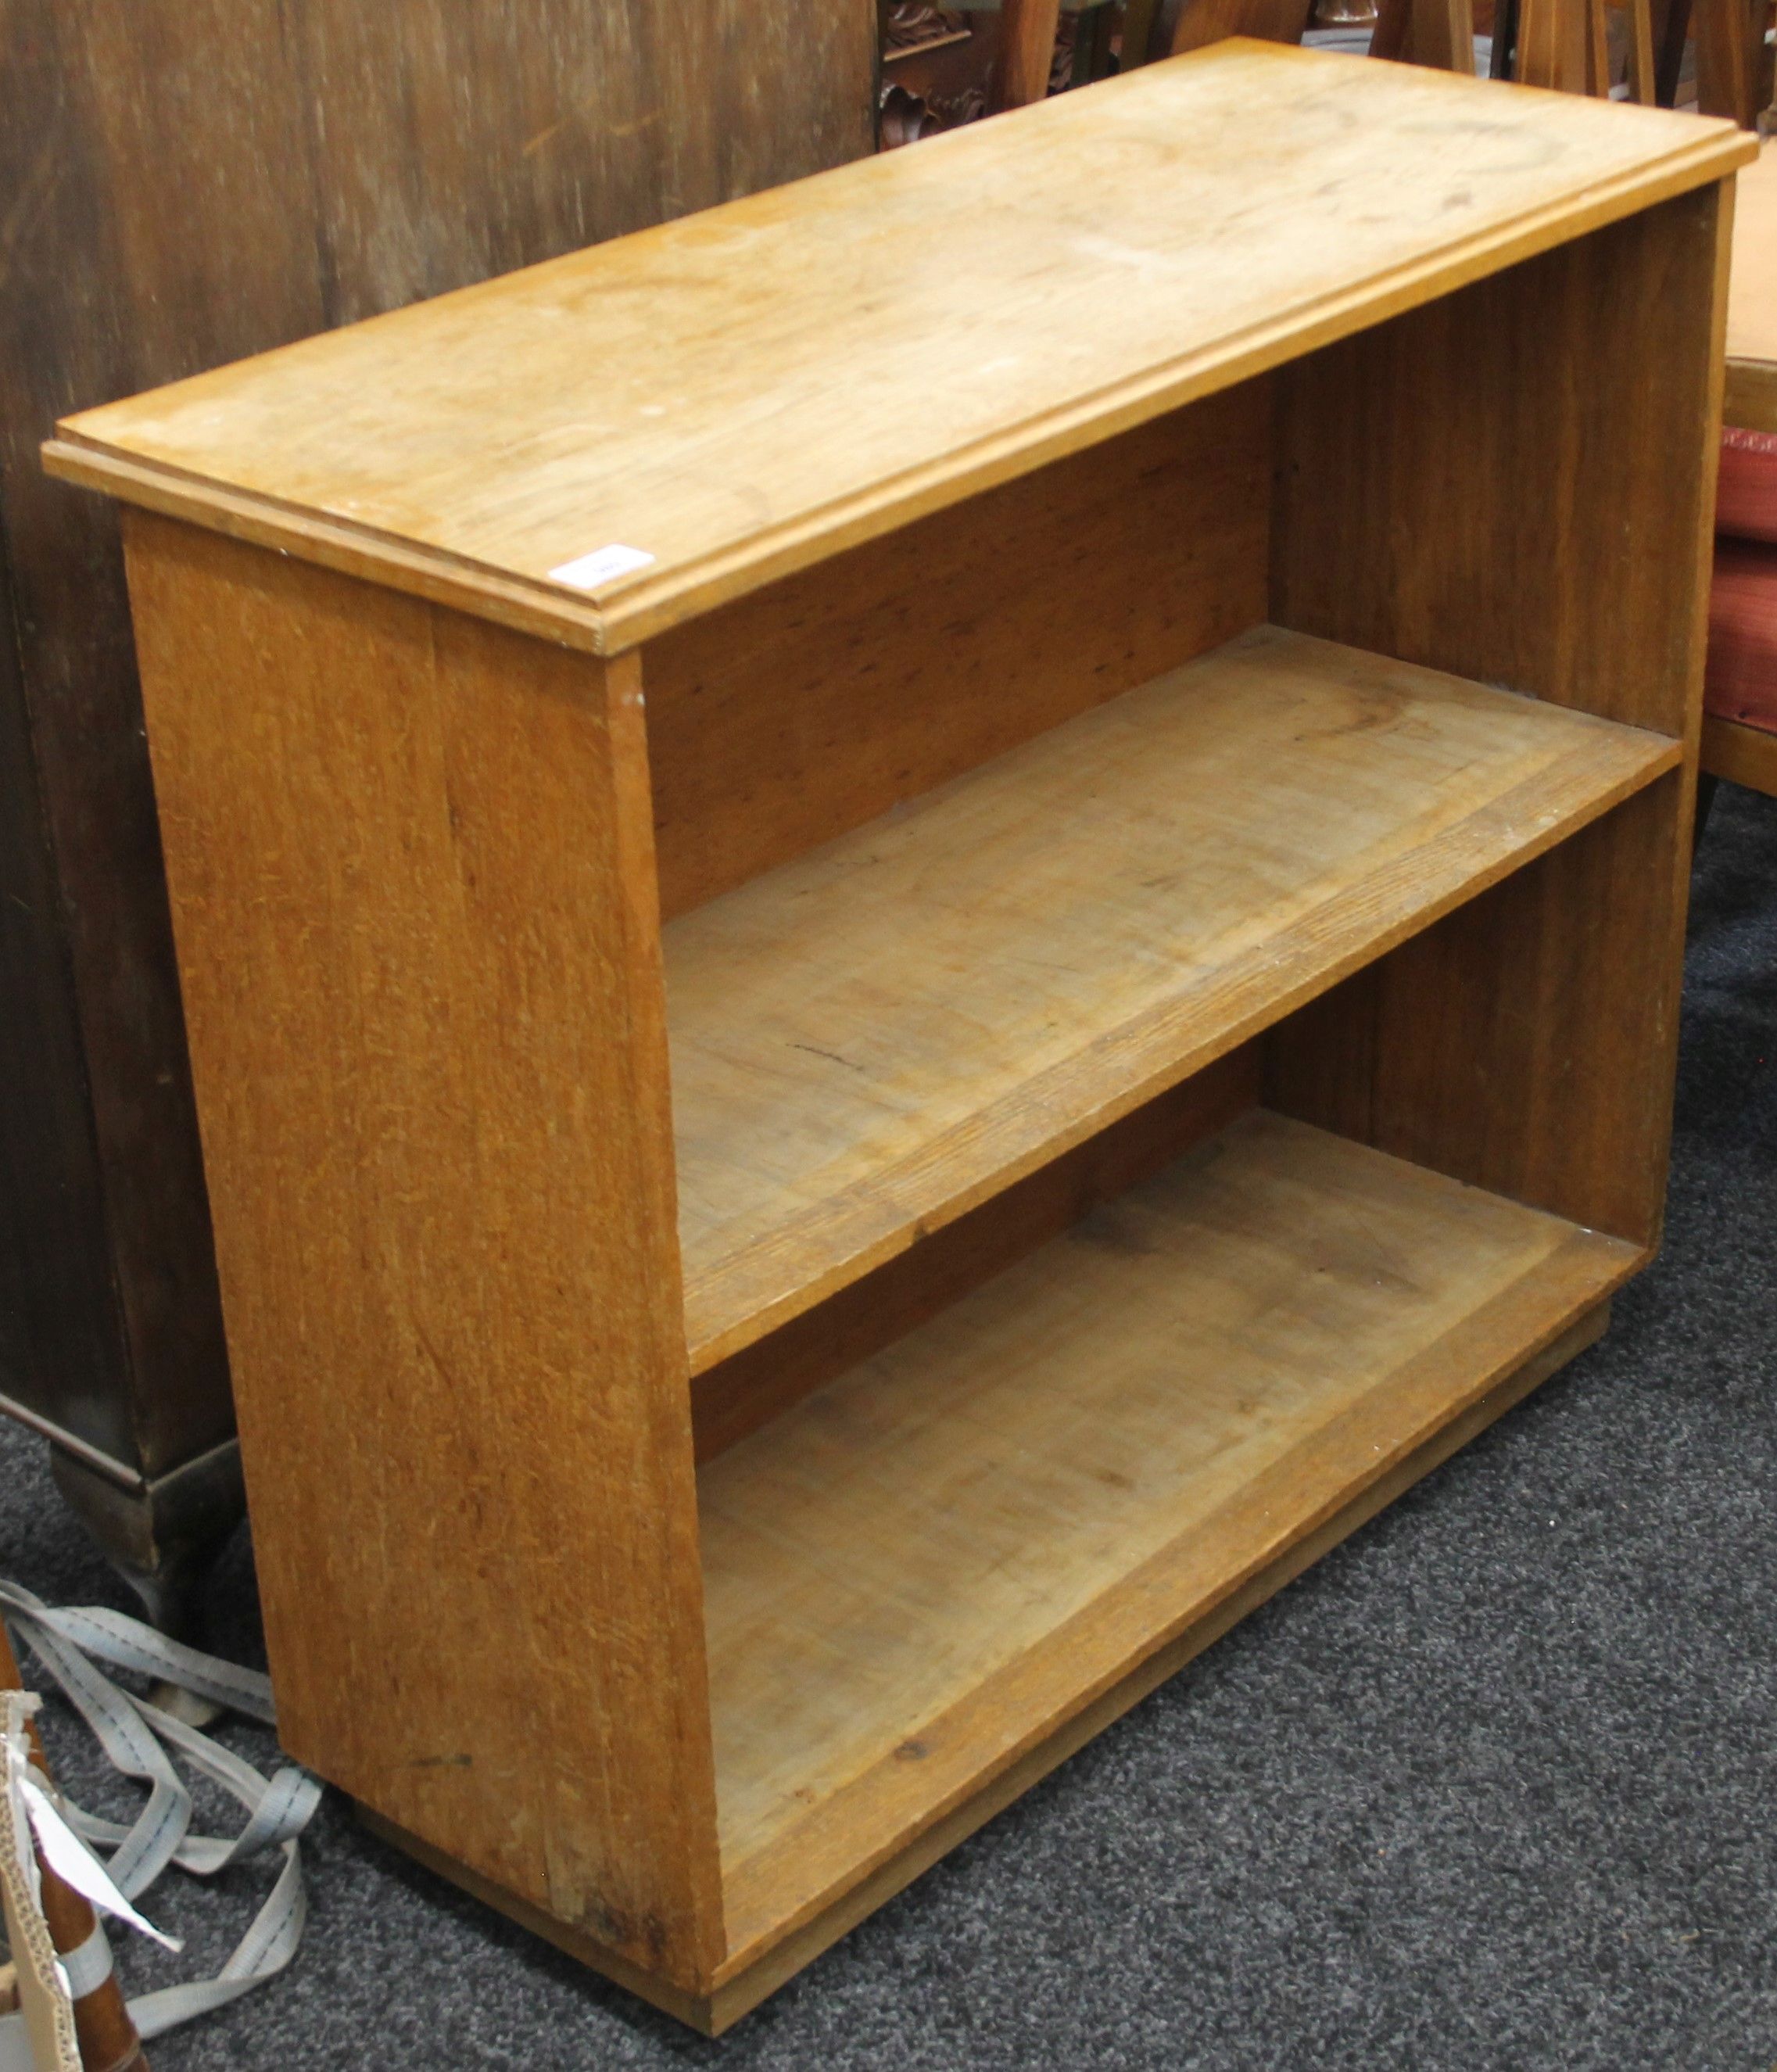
(140,1739)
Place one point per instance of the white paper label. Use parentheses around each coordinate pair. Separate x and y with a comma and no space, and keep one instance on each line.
(592,571)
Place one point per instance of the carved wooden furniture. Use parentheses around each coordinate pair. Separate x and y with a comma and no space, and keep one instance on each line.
(187,184)
(894,992)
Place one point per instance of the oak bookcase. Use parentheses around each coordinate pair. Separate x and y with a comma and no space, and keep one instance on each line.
(923,923)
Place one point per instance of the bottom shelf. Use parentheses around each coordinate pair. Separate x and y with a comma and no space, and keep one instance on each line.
(917,1577)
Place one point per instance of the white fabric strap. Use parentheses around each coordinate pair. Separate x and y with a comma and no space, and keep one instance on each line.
(138,1736)
(88,1968)
(16,2054)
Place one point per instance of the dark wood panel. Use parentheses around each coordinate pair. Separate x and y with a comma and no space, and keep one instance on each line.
(55,1281)
(187,182)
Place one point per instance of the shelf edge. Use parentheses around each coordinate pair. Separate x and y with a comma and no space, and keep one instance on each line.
(648,606)
(715,1332)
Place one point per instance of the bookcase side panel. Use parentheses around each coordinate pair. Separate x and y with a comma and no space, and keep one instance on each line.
(795,714)
(1517,482)
(413,894)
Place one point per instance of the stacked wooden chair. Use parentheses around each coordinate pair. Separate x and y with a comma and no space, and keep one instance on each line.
(1562,44)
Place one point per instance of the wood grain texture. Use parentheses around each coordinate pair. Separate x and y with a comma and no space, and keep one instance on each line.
(1511,577)
(773,1957)
(1729,39)
(1750,399)
(976,1533)
(1569,1052)
(1526,1044)
(810,707)
(1202,23)
(920,352)
(187,183)
(1027,29)
(63,1342)
(741,1393)
(869,1042)
(428,1043)
(1552,44)
(1743,754)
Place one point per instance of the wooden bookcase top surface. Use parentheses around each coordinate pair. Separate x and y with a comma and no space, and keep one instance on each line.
(870,1040)
(739,393)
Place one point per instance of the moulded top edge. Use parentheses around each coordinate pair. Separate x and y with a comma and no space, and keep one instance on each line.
(601,446)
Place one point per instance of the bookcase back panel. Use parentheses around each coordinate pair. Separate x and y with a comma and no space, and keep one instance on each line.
(1496,484)
(807,709)
(751,1387)
(1525,1043)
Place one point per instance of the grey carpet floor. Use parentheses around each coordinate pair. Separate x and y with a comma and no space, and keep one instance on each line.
(1491,1786)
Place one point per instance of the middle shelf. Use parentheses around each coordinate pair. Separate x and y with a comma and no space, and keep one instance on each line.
(869,1040)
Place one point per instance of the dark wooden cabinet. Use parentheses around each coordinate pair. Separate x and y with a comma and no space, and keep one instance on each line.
(185,181)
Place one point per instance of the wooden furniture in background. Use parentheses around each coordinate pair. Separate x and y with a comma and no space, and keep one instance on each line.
(887,1008)
(1440,33)
(1027,30)
(1747,754)
(187,184)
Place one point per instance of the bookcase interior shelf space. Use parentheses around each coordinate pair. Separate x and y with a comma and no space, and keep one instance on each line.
(899,1573)
(829,1157)
(867,1042)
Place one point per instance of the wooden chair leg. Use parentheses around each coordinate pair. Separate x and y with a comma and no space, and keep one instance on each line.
(1205,22)
(1027,29)
(1672,30)
(1092,27)
(1642,78)
(1706,788)
(1505,40)
(1726,60)
(1552,44)
(1139,16)
(1393,30)
(1598,51)
(1444,35)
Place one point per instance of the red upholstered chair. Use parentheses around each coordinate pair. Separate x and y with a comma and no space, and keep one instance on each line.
(1740,686)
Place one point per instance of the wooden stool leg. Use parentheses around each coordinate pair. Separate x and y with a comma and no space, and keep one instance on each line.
(1027,29)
